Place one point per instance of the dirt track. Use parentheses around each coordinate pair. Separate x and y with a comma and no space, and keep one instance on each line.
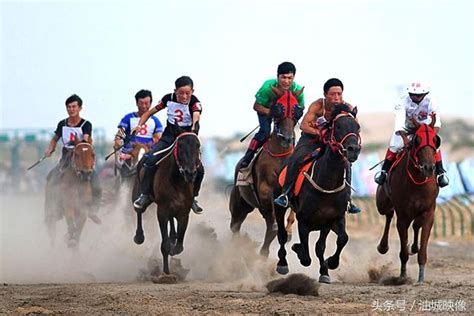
(109,274)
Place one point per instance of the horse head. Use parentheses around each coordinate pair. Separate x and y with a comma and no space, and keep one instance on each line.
(344,132)
(423,146)
(285,113)
(187,155)
(138,151)
(83,160)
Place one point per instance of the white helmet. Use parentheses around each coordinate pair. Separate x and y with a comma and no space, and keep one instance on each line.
(417,87)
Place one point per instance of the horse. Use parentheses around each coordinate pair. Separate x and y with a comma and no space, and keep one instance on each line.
(275,152)
(126,163)
(69,194)
(173,187)
(411,192)
(323,199)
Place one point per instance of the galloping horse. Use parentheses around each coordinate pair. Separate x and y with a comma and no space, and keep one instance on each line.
(71,195)
(411,192)
(173,193)
(244,199)
(324,195)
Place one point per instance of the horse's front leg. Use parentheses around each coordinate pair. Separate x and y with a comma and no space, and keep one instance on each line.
(71,226)
(301,249)
(320,248)
(342,238)
(139,235)
(423,252)
(383,244)
(163,221)
(402,228)
(182,226)
(282,265)
(270,232)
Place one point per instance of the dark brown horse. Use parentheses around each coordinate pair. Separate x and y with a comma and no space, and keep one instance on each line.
(69,193)
(173,194)
(411,192)
(324,196)
(275,152)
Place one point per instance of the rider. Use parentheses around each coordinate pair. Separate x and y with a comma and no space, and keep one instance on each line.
(263,101)
(72,128)
(185,109)
(148,135)
(313,126)
(417,104)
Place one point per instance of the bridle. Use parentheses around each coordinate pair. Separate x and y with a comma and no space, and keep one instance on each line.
(79,172)
(338,146)
(176,151)
(427,141)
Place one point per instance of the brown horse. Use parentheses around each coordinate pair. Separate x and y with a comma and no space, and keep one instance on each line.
(173,193)
(324,196)
(126,163)
(69,193)
(411,192)
(275,152)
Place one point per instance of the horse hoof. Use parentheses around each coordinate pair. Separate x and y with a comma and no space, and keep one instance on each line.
(264,253)
(139,239)
(325,279)
(413,250)
(165,279)
(282,269)
(382,250)
(332,263)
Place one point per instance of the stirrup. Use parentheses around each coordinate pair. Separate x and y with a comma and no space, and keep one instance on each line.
(353,209)
(442,180)
(196,208)
(380,177)
(140,202)
(282,200)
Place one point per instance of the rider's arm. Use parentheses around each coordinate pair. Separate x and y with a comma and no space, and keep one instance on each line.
(145,116)
(51,146)
(119,138)
(156,137)
(196,117)
(261,109)
(307,124)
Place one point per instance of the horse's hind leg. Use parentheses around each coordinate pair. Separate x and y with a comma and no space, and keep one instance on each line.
(383,244)
(238,210)
(342,239)
(270,233)
(423,252)
(290,220)
(416,229)
(282,265)
(402,228)
(301,249)
(182,225)
(320,248)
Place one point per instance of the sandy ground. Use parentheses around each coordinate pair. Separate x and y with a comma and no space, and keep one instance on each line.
(108,273)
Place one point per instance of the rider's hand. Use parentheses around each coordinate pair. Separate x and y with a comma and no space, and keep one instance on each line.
(135,130)
(48,152)
(117,144)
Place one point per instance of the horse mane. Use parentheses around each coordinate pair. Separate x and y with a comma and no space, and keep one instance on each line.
(340,108)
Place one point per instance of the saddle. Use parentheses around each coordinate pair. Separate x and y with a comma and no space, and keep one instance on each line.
(244,175)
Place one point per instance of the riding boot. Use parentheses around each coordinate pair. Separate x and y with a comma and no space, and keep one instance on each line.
(145,186)
(353,209)
(441,177)
(96,198)
(197,186)
(381,176)
(247,158)
(287,194)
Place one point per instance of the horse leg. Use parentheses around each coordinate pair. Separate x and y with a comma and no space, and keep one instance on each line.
(50,218)
(139,236)
(80,220)
(165,241)
(238,210)
(282,265)
(301,249)
(71,227)
(402,228)
(383,244)
(416,230)
(342,239)
(320,247)
(270,232)
(290,220)
(173,234)
(182,226)
(425,235)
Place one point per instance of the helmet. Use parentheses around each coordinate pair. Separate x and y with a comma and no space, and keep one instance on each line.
(417,87)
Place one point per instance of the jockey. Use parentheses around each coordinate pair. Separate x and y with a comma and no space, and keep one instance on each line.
(420,106)
(313,126)
(263,101)
(185,109)
(69,130)
(148,135)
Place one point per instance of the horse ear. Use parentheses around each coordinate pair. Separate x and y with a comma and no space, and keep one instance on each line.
(354,111)
(433,120)
(299,92)
(437,141)
(277,92)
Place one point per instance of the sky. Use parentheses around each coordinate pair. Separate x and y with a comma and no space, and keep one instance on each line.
(105,51)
